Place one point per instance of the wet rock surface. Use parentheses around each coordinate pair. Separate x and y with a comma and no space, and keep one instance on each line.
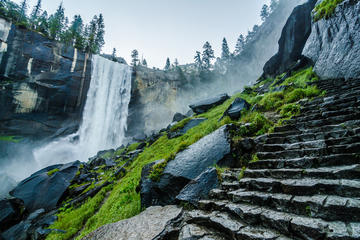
(144,226)
(236,107)
(332,45)
(207,104)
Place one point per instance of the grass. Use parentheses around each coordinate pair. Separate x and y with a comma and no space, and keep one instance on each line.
(124,201)
(13,139)
(326,9)
(52,172)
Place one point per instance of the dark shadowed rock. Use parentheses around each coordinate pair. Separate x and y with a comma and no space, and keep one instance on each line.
(207,104)
(334,43)
(43,191)
(200,187)
(97,162)
(212,149)
(178,117)
(293,38)
(10,212)
(235,109)
(191,124)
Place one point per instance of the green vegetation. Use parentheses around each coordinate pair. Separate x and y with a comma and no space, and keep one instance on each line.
(123,200)
(13,139)
(52,172)
(89,37)
(326,9)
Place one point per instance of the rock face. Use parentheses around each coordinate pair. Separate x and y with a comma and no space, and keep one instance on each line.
(235,109)
(147,225)
(334,43)
(43,83)
(188,165)
(45,188)
(10,212)
(205,105)
(292,41)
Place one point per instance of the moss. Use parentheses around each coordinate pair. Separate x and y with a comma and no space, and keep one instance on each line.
(301,78)
(326,9)
(290,110)
(242,172)
(180,125)
(255,158)
(133,147)
(220,171)
(50,173)
(13,139)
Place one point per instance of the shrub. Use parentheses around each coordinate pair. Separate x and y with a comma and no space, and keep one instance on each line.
(326,9)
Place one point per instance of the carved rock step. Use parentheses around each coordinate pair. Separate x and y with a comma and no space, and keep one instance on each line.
(291,225)
(223,222)
(293,125)
(318,115)
(334,90)
(308,144)
(307,162)
(341,172)
(311,152)
(336,100)
(289,139)
(329,104)
(305,186)
(329,208)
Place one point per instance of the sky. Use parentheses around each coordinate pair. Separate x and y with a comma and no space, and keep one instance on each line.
(165,28)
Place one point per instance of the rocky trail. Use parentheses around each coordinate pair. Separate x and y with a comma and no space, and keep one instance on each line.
(304,184)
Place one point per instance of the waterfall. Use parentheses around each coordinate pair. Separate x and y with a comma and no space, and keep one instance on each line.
(104,119)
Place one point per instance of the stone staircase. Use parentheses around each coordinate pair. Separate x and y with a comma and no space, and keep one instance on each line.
(305,185)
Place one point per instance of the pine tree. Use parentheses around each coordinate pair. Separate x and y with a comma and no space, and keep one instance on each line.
(207,55)
(240,44)
(264,12)
(167,65)
(225,54)
(43,24)
(99,39)
(57,23)
(176,62)
(76,30)
(144,62)
(113,55)
(91,36)
(35,15)
(134,57)
(198,60)
(23,10)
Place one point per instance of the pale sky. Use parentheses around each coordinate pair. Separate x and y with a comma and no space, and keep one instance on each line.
(165,28)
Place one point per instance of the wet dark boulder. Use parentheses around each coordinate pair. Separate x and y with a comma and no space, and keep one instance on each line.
(205,105)
(214,148)
(292,41)
(11,211)
(45,188)
(99,161)
(199,188)
(191,124)
(235,109)
(178,117)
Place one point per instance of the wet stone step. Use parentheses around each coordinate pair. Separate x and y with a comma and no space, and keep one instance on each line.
(329,208)
(307,162)
(305,186)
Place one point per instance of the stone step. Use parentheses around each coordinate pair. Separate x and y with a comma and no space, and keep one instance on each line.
(317,115)
(326,107)
(311,152)
(289,139)
(329,208)
(338,172)
(321,143)
(294,125)
(332,97)
(291,225)
(331,90)
(225,223)
(307,162)
(305,186)
(331,102)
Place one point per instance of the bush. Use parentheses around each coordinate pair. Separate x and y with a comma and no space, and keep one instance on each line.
(326,9)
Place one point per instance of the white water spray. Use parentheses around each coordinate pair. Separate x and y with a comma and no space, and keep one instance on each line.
(104,118)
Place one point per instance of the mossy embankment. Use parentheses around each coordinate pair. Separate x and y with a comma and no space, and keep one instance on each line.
(326,9)
(120,200)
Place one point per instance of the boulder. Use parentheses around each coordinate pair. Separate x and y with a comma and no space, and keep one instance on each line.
(235,109)
(10,212)
(200,187)
(178,117)
(207,104)
(214,148)
(292,41)
(191,124)
(99,161)
(44,190)
(146,225)
(334,43)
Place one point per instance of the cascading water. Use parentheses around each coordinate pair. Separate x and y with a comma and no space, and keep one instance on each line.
(104,118)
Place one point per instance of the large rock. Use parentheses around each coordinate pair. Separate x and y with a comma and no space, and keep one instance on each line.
(334,43)
(43,190)
(207,104)
(235,109)
(200,187)
(144,226)
(188,165)
(10,212)
(292,41)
